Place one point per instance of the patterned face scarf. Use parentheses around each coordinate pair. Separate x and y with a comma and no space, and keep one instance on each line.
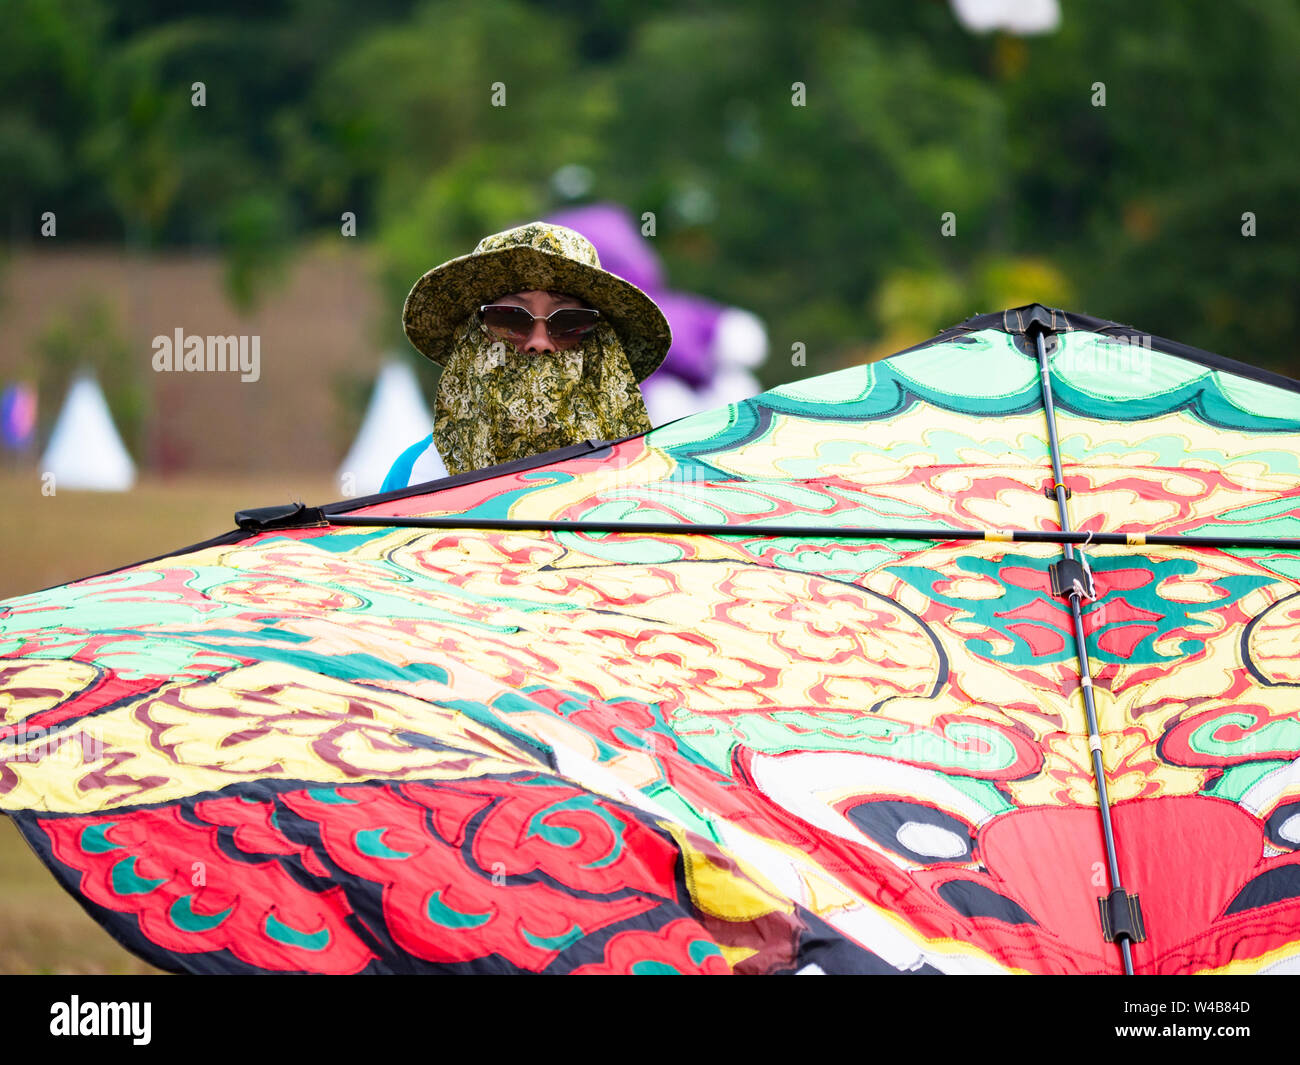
(496,404)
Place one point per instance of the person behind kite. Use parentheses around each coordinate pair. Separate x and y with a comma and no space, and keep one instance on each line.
(540,349)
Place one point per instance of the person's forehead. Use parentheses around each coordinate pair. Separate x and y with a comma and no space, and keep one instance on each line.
(532,294)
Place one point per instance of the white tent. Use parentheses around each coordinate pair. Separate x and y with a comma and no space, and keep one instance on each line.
(85,450)
(396,418)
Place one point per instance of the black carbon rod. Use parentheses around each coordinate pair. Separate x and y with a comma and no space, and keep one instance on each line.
(813,532)
(1081,647)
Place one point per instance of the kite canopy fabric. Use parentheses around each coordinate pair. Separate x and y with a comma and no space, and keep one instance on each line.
(342,749)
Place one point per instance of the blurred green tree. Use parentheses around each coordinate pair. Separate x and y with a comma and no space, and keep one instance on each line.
(825,218)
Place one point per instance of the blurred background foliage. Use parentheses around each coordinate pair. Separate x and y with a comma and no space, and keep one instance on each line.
(825,219)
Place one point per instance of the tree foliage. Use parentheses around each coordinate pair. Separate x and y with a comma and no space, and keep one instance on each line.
(826,218)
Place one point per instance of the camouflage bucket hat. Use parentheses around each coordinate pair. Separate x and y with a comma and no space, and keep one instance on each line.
(533,256)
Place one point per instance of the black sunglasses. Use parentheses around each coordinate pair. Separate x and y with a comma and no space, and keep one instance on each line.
(566,327)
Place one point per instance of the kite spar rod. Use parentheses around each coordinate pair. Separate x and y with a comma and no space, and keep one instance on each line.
(1121,919)
(310,516)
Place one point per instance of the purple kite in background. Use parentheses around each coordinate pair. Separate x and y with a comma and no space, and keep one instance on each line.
(715,348)
(18,415)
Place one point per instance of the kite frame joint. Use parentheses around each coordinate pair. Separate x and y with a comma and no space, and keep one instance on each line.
(280,516)
(1121,917)
(1072,576)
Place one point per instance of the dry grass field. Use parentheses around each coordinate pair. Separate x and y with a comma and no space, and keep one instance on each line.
(47,540)
(50,540)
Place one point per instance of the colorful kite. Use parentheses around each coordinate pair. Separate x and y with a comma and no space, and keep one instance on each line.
(983,658)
